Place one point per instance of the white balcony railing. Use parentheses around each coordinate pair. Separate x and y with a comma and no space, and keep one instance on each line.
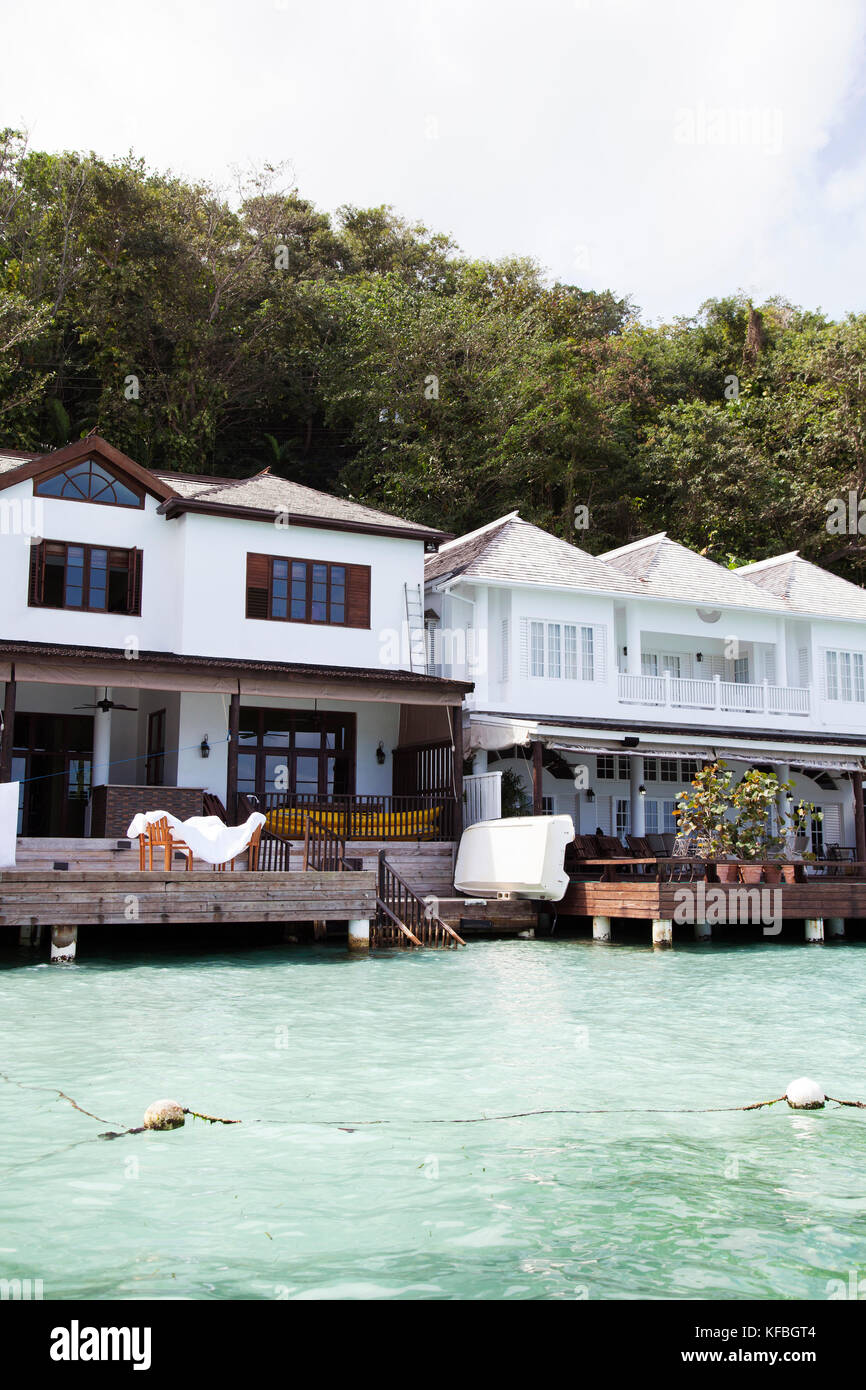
(715,694)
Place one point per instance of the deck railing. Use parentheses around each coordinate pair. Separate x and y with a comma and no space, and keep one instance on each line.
(427,816)
(690,693)
(483,797)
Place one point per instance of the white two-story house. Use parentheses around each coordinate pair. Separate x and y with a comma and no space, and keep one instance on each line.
(605,681)
(164,634)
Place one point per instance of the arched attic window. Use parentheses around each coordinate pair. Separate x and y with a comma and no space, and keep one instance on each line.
(89,481)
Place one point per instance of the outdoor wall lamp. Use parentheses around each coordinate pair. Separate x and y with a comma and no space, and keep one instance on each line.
(590,794)
(205,747)
(699,656)
(641,791)
(380,752)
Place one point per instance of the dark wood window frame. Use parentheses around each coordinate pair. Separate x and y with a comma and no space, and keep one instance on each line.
(345,726)
(36,585)
(135,488)
(260,591)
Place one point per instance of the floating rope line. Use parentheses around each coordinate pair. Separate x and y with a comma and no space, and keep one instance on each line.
(23,1086)
(802,1094)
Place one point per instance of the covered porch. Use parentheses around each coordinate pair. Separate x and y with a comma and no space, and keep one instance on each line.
(621,779)
(95,735)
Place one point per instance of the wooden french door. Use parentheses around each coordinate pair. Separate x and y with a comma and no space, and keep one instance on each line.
(296,751)
(52,756)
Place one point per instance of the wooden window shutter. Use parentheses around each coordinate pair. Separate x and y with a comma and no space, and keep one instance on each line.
(133,583)
(37,575)
(258,585)
(357,595)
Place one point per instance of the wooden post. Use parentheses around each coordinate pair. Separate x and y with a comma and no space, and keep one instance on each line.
(537,774)
(859,822)
(8,739)
(232,771)
(457,758)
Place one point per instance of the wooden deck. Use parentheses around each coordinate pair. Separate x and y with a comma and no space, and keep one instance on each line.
(648,900)
(96,897)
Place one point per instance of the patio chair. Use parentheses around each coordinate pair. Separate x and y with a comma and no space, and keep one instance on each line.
(159,836)
(656,844)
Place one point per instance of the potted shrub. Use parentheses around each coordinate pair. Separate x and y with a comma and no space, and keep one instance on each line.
(703,810)
(753,799)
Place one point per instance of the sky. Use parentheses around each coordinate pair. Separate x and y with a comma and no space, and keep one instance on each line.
(668,150)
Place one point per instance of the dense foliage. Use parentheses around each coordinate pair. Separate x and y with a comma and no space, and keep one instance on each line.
(364,355)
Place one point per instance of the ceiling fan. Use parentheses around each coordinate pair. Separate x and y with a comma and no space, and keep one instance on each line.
(106,705)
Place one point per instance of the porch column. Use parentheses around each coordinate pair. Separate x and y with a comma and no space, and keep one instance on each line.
(232,760)
(8,739)
(859,823)
(632,638)
(537,776)
(457,760)
(638,807)
(101,739)
(781,654)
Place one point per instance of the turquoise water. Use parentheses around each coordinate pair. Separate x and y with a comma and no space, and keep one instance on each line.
(299,1041)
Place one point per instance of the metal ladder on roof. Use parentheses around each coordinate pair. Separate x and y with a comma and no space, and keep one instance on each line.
(413,602)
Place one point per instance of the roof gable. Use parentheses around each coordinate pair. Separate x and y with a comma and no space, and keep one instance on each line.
(92,447)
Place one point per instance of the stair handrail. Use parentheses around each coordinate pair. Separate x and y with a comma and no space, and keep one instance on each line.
(425,918)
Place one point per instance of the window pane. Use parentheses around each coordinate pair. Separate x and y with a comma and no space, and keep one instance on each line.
(299,591)
(587,653)
(74,576)
(570,644)
(536,649)
(669,770)
(554,664)
(859,692)
(832,676)
(98,578)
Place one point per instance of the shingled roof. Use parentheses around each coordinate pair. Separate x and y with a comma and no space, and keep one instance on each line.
(260,497)
(807,588)
(514,550)
(663,568)
(269,494)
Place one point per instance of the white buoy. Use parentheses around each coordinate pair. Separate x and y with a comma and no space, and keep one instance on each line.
(804,1094)
(163,1114)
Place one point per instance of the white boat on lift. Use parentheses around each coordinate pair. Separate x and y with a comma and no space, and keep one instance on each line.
(520,857)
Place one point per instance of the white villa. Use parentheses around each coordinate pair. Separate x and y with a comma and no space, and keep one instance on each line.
(163,635)
(606,681)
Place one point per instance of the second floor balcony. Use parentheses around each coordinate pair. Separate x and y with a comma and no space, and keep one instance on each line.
(689,693)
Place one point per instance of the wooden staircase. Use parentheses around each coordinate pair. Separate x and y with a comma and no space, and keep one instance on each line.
(403,918)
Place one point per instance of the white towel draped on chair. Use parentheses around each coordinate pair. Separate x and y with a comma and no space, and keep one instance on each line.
(208,837)
(8,823)
(212,840)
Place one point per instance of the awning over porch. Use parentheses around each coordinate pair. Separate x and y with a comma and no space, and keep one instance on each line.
(498,734)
